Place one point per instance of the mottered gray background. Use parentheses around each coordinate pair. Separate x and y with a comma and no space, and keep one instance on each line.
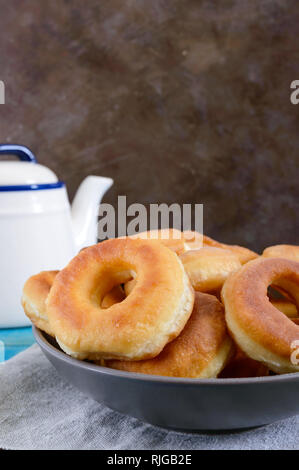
(177,101)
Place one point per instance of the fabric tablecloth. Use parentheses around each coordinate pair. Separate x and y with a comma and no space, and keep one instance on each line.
(39,410)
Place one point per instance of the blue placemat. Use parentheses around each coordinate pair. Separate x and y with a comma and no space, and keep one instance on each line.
(14,340)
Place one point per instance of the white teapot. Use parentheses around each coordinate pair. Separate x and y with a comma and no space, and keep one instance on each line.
(38,229)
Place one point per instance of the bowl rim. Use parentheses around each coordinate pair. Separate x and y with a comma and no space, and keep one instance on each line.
(137,376)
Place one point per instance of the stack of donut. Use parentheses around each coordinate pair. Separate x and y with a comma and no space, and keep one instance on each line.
(173,303)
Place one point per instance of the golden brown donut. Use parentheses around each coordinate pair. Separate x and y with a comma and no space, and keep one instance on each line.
(181,242)
(195,241)
(282,251)
(201,350)
(244,254)
(138,327)
(261,331)
(208,267)
(35,293)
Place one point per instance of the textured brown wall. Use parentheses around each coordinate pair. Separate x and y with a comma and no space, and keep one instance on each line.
(178,101)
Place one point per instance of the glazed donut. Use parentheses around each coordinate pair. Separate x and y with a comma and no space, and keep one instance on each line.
(208,267)
(241,366)
(244,254)
(172,238)
(35,293)
(282,251)
(201,350)
(138,327)
(261,331)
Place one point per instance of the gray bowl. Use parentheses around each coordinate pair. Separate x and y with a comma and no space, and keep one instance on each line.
(177,403)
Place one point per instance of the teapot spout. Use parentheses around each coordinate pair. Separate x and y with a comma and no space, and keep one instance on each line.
(85,209)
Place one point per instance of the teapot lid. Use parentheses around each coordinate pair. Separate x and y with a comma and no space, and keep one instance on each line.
(21,173)
(24,174)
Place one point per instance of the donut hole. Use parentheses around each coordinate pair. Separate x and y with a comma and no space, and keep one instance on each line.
(283,301)
(114,296)
(110,290)
(275,292)
(120,291)
(129,286)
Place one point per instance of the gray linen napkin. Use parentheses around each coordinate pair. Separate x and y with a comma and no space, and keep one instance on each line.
(38,410)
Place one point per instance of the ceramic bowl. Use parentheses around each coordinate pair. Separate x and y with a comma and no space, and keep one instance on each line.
(178,403)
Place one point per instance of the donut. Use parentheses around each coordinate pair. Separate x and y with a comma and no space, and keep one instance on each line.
(35,293)
(181,242)
(200,351)
(282,251)
(241,366)
(195,241)
(208,267)
(138,327)
(263,332)
(244,254)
